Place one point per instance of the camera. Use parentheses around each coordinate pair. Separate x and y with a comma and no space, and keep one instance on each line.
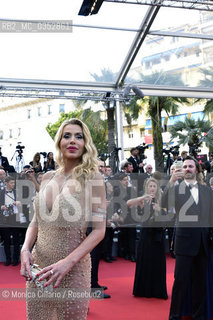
(142,147)
(9,211)
(173,150)
(19,148)
(194,149)
(44,154)
(29,170)
(105,155)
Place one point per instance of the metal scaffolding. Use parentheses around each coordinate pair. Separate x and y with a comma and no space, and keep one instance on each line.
(96,91)
(184,4)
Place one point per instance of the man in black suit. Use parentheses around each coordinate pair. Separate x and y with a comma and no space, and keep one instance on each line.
(193,203)
(4,162)
(8,220)
(135,160)
(2,179)
(96,254)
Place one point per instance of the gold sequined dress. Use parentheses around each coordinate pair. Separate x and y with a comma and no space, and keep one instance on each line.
(60,231)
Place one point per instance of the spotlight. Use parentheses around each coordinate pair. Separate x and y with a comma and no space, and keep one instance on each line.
(89,7)
(137,91)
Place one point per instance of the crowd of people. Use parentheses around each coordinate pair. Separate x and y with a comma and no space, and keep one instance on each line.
(16,198)
(139,207)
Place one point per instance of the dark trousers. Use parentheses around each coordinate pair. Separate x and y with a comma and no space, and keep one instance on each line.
(171,238)
(196,268)
(7,232)
(95,259)
(108,242)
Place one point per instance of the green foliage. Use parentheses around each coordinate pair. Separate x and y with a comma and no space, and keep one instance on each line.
(208,106)
(97,126)
(192,132)
(53,128)
(131,111)
(207,82)
(157,104)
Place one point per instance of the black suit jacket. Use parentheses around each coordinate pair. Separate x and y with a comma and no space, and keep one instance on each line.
(189,232)
(7,221)
(5,163)
(135,163)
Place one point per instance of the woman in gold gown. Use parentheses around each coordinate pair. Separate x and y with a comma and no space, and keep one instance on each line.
(68,200)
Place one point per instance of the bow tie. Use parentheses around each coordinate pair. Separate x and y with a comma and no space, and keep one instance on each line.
(191,186)
(9,191)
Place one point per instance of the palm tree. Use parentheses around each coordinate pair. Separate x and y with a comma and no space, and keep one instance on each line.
(96,125)
(155,107)
(207,82)
(193,133)
(131,110)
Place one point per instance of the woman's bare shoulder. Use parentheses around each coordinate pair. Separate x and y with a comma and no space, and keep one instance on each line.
(97,176)
(48,175)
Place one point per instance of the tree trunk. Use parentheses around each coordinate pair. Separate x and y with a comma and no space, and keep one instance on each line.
(157,140)
(111,134)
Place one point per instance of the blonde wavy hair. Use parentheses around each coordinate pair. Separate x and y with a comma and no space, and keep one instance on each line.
(158,192)
(88,165)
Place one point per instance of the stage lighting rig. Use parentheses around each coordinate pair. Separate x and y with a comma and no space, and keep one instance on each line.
(135,89)
(89,7)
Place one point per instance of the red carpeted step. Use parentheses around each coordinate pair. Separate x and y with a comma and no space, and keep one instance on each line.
(118,277)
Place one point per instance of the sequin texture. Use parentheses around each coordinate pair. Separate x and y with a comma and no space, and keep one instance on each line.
(57,238)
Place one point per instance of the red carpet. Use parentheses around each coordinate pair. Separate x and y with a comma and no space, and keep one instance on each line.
(118,277)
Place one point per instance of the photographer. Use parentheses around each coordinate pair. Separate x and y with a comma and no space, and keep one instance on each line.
(27,193)
(9,220)
(2,179)
(36,164)
(19,158)
(29,174)
(170,161)
(4,164)
(136,161)
(141,156)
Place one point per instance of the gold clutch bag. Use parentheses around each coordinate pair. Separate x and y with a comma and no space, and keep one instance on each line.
(35,269)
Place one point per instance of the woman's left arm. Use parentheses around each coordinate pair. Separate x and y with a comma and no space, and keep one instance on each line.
(58,270)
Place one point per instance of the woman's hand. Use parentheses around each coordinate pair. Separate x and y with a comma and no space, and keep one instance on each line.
(54,273)
(17,203)
(115,217)
(156,207)
(147,198)
(139,201)
(26,261)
